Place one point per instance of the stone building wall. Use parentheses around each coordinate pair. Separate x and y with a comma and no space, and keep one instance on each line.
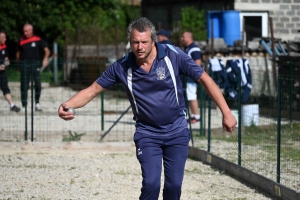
(285,15)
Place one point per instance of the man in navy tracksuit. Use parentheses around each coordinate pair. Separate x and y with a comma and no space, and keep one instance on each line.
(30,50)
(151,74)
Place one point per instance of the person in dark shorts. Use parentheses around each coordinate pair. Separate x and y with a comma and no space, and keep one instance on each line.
(30,50)
(4,62)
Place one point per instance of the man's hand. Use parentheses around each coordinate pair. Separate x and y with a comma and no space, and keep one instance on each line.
(2,67)
(6,62)
(229,122)
(63,112)
(45,63)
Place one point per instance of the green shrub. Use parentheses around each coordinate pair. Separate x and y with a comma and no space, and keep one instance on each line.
(193,20)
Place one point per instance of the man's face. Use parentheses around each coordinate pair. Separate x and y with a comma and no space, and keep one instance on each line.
(27,31)
(161,38)
(141,44)
(184,39)
(2,38)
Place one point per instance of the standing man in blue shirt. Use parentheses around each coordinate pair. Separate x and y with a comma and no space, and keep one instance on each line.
(151,74)
(193,51)
(163,36)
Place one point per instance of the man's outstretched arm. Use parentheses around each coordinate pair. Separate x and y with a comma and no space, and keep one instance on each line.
(79,100)
(229,121)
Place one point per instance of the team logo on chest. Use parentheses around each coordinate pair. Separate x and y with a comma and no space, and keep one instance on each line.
(3,52)
(33,44)
(161,73)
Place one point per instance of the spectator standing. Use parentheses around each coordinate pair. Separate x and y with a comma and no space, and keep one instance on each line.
(163,37)
(193,51)
(151,74)
(30,50)
(4,62)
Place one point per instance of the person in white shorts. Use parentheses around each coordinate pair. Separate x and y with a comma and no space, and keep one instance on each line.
(194,52)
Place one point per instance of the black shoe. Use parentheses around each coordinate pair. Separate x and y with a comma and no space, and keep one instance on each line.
(15,109)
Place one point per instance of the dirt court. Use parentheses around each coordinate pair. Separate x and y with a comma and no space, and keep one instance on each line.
(55,170)
(79,170)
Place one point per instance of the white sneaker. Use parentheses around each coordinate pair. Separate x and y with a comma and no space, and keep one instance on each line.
(38,107)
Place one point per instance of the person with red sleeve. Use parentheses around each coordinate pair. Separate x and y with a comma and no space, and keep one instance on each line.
(4,62)
(30,50)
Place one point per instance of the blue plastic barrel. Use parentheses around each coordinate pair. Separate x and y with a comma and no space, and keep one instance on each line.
(216,17)
(231,27)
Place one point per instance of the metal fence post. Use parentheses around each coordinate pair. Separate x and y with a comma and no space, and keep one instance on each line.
(24,81)
(202,106)
(278,127)
(102,111)
(202,102)
(290,90)
(209,125)
(209,118)
(55,52)
(239,116)
(204,112)
(31,87)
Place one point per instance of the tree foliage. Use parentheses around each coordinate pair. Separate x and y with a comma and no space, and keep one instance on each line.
(193,20)
(53,19)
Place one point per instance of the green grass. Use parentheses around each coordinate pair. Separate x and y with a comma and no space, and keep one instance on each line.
(97,193)
(294,155)
(73,136)
(13,75)
(198,137)
(265,137)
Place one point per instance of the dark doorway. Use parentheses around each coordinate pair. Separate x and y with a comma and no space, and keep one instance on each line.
(253,27)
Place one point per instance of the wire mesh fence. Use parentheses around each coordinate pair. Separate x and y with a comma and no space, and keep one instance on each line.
(92,121)
(266,140)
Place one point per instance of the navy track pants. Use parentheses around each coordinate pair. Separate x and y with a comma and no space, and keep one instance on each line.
(28,72)
(151,151)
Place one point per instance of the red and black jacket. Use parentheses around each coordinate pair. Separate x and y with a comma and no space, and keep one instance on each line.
(31,48)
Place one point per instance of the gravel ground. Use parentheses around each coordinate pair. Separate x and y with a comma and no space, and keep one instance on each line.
(86,170)
(99,171)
